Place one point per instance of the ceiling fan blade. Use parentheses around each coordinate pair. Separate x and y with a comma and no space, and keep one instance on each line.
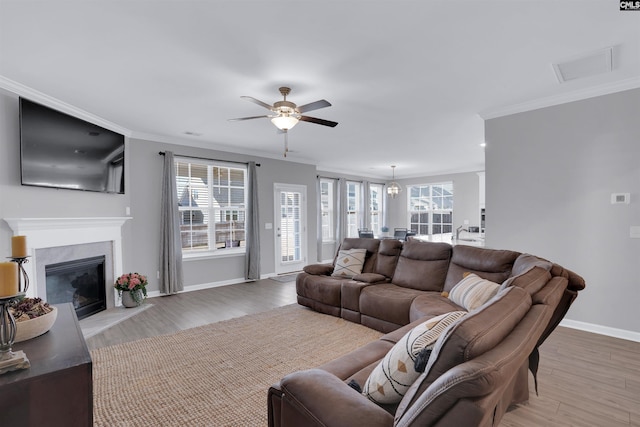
(318,121)
(247,118)
(313,106)
(257,101)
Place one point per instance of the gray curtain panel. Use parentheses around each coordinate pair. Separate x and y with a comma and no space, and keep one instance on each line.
(341,210)
(171,277)
(319,219)
(365,220)
(252,239)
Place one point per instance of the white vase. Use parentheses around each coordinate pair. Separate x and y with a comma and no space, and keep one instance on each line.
(129,301)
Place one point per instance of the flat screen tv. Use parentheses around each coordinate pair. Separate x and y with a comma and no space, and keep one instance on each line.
(61,151)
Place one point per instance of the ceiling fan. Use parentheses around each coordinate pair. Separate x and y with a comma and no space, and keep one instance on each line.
(286,114)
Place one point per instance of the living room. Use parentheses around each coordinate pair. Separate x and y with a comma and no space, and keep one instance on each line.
(552,159)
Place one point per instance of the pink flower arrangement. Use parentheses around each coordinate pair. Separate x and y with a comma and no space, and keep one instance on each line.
(132,282)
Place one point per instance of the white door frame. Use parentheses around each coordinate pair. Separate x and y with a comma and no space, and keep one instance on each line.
(289,267)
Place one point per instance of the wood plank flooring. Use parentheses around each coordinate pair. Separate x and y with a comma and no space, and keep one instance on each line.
(190,309)
(584,379)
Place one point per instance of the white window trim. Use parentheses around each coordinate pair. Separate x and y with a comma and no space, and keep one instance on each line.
(430,212)
(202,254)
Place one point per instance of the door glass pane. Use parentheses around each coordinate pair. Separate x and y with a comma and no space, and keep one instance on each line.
(290,226)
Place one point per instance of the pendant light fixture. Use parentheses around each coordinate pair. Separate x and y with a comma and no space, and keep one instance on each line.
(394,188)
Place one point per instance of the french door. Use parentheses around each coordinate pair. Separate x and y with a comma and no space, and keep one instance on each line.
(290,227)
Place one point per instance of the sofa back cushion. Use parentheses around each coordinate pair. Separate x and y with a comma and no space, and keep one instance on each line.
(387,258)
(476,392)
(474,335)
(371,245)
(422,265)
(490,264)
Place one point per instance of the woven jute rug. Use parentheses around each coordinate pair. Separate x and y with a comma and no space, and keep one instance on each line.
(218,374)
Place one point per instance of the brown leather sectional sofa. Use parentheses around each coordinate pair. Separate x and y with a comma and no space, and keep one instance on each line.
(478,367)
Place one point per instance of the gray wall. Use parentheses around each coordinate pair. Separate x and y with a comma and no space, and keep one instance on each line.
(549,178)
(35,202)
(466,199)
(142,194)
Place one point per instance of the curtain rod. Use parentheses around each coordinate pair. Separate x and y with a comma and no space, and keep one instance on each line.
(213,160)
(350,180)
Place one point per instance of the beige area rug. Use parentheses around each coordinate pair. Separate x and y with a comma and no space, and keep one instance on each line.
(218,374)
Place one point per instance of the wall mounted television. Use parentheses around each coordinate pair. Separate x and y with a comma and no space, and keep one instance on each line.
(61,151)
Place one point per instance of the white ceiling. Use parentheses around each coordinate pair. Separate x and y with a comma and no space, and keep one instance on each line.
(409,80)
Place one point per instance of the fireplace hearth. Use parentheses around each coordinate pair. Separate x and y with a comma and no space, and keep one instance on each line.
(80,282)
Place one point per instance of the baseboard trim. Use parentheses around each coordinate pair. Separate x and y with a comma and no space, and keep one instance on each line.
(602,330)
(200,287)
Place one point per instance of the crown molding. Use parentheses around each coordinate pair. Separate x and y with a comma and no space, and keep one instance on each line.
(49,101)
(578,95)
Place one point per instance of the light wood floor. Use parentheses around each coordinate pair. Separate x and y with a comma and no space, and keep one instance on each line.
(584,379)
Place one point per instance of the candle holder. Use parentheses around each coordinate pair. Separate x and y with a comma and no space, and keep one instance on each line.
(22,272)
(9,360)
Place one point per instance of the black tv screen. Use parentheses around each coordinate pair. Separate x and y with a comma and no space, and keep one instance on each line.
(61,151)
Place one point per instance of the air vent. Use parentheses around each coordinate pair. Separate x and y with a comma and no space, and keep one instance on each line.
(599,62)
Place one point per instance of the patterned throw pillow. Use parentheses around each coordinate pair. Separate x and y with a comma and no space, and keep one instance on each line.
(473,291)
(349,263)
(392,377)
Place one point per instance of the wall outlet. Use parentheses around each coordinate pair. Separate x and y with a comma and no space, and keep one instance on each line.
(158,274)
(634,231)
(466,222)
(268,226)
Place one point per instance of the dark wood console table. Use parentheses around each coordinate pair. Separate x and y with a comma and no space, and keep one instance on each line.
(57,390)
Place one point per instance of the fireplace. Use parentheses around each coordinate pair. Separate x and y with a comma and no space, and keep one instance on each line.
(80,282)
(58,240)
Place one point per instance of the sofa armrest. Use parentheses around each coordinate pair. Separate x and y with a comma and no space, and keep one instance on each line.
(318,398)
(318,269)
(370,278)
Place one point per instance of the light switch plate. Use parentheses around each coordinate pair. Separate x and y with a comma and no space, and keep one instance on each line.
(634,231)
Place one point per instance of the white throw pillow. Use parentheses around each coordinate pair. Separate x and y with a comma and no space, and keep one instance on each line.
(392,377)
(349,263)
(473,291)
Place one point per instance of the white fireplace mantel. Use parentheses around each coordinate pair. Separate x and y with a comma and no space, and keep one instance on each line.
(53,232)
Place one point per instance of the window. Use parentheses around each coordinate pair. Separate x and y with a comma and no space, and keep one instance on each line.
(376,200)
(431,208)
(212,203)
(354,208)
(326,209)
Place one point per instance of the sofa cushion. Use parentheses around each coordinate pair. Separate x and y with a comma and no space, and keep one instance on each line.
(431,304)
(395,373)
(490,264)
(532,280)
(479,331)
(349,263)
(371,245)
(388,302)
(473,291)
(387,259)
(422,265)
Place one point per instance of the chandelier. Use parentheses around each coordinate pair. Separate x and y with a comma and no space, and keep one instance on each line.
(393,189)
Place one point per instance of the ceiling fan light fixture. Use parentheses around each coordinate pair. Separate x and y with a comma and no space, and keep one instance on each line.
(284,122)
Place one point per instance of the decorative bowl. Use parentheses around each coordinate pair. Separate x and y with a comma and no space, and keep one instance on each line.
(35,327)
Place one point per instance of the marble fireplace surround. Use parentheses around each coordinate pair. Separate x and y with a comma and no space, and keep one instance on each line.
(51,233)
